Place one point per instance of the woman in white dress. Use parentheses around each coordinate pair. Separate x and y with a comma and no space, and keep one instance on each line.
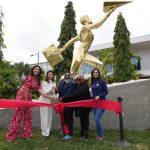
(48,87)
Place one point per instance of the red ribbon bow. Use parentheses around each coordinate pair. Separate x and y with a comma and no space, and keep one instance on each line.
(59,107)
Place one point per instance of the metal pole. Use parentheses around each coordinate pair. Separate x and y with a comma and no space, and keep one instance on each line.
(38,58)
(122,142)
(120,99)
(37,55)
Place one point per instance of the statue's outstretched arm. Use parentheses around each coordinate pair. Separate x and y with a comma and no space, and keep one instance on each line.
(102,20)
(70,42)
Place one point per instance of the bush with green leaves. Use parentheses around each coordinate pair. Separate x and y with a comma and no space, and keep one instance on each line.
(9,82)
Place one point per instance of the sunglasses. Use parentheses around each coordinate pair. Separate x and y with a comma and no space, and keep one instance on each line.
(67,75)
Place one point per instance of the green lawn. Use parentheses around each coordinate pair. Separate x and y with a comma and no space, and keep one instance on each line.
(140,140)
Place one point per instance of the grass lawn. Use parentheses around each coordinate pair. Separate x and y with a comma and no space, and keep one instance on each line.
(139,140)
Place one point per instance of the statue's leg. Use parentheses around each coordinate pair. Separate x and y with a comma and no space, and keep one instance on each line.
(74,65)
(93,61)
(75,68)
(76,62)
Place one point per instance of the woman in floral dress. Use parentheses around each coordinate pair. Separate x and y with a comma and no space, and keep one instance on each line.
(31,83)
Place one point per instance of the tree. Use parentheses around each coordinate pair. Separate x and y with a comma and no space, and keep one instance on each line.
(2,45)
(123,69)
(22,70)
(106,56)
(8,80)
(68,31)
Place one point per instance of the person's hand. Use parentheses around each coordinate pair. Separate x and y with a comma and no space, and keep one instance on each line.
(97,97)
(56,100)
(51,92)
(59,99)
(51,100)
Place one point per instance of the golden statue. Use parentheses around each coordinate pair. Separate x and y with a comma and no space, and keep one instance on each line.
(80,54)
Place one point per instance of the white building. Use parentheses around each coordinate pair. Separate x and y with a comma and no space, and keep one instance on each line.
(139,45)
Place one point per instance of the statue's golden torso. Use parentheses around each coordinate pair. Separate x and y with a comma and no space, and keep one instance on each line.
(86,38)
(86,35)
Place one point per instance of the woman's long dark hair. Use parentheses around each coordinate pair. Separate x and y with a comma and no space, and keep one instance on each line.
(39,75)
(92,77)
(46,79)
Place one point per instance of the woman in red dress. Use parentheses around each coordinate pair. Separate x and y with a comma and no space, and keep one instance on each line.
(31,83)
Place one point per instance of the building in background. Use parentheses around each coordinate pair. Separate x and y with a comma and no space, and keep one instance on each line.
(139,45)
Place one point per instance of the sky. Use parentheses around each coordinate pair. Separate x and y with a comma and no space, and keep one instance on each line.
(32,25)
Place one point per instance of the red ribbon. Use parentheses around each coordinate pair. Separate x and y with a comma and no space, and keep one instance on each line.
(59,107)
(103,104)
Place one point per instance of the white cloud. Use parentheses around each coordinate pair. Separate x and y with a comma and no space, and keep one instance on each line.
(32,25)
